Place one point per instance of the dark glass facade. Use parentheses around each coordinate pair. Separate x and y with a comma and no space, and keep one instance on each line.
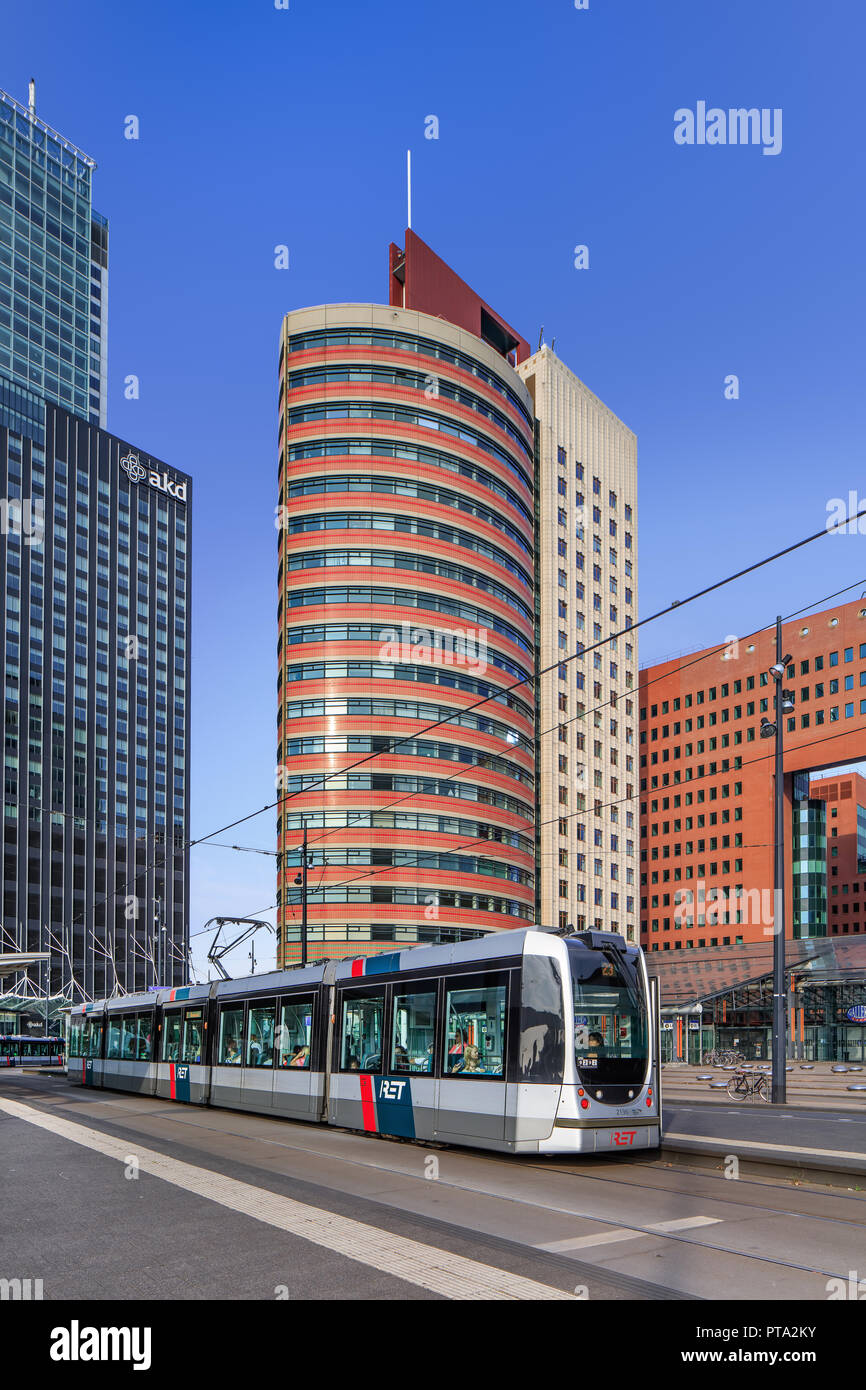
(94,554)
(809,905)
(53,269)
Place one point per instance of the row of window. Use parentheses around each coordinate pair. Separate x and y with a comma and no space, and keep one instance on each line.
(398,782)
(427,675)
(351,706)
(364,410)
(406,598)
(389,559)
(278,1033)
(405,342)
(409,525)
(723,691)
(434,389)
(401,487)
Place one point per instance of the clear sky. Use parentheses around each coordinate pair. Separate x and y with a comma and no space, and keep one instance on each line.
(261,127)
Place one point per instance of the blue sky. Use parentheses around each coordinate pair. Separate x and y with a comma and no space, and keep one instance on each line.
(261,127)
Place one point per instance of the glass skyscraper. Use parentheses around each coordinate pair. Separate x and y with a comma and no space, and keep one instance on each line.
(53,268)
(94,562)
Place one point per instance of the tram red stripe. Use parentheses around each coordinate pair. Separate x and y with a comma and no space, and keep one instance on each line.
(357,967)
(171,1080)
(368,1107)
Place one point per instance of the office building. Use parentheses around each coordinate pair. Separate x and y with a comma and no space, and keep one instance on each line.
(587,707)
(706,781)
(94,562)
(415,507)
(53,271)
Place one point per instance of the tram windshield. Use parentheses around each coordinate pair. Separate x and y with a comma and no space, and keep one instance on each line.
(610,1017)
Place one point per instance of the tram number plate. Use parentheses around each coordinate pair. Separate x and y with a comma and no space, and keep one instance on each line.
(622,1138)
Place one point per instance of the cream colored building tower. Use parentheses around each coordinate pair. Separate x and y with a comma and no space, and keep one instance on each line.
(588,811)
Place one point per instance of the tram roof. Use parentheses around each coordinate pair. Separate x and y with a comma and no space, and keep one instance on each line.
(690,977)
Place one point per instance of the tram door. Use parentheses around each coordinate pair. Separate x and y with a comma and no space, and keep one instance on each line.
(472,1092)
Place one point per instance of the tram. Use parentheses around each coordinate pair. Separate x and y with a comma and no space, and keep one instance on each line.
(523,1042)
(20,1049)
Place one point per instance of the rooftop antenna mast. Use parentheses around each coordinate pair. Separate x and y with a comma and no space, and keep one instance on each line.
(409,187)
(31,97)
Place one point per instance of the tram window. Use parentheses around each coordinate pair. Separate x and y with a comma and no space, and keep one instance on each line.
(412,1038)
(115,1030)
(231,1037)
(362,1033)
(171,1038)
(542,1025)
(93,1037)
(475,1037)
(293,1034)
(610,1018)
(193,1035)
(260,1036)
(76,1037)
(144,1037)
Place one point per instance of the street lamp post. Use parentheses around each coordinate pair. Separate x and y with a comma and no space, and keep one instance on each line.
(784,703)
(301,882)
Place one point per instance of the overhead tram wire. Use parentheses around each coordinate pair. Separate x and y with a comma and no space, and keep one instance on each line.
(482,839)
(636,796)
(705,656)
(249,849)
(584,716)
(684,666)
(584,651)
(523,680)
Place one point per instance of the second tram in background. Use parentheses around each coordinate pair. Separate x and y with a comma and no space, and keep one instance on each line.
(524,1041)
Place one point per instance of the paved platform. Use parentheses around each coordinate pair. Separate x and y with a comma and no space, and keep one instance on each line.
(815,1086)
(796,1140)
(157,1200)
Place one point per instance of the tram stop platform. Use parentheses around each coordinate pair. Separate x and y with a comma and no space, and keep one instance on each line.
(819,1134)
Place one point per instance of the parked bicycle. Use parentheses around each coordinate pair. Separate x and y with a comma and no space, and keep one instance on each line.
(749,1085)
(724,1058)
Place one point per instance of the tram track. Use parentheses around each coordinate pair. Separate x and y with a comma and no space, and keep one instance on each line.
(199,1121)
(519,1163)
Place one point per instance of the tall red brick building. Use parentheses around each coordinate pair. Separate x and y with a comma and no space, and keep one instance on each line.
(706,781)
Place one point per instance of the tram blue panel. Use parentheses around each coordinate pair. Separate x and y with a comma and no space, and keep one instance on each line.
(91,1071)
(394,1113)
(400,1105)
(382,965)
(182,1081)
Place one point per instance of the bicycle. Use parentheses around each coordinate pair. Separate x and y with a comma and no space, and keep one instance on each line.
(746,1085)
(724,1057)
